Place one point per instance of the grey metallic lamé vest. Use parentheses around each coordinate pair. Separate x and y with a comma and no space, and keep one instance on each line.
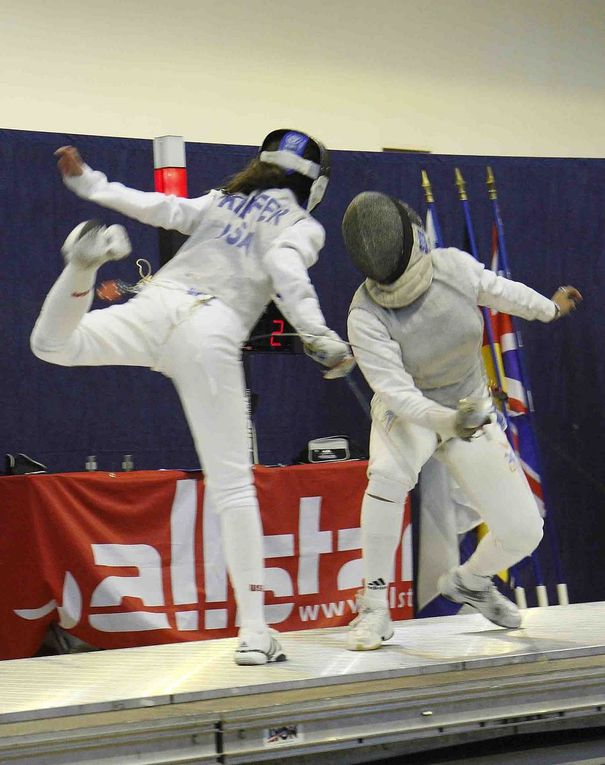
(439,334)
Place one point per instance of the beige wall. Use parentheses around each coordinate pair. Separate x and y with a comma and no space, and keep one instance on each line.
(521,77)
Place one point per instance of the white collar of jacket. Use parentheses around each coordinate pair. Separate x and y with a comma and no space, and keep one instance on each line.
(413,282)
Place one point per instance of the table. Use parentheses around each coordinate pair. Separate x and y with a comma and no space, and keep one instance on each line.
(135,558)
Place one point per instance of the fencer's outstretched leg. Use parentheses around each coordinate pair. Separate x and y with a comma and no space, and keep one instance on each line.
(88,246)
(488,471)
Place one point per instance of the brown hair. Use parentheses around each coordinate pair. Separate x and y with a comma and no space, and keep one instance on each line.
(259,175)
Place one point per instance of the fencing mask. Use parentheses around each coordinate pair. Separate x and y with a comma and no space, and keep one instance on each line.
(388,244)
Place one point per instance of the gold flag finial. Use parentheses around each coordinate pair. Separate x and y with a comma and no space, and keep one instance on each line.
(491,184)
(461,184)
(426,185)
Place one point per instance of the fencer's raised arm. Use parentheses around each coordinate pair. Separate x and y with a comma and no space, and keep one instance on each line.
(287,262)
(516,298)
(379,358)
(156,209)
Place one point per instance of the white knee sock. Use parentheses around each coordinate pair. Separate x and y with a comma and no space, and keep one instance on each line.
(68,300)
(243,548)
(381,523)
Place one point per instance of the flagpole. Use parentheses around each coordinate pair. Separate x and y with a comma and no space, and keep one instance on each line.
(562,593)
(461,185)
(430,200)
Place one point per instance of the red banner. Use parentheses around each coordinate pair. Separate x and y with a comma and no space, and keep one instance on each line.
(129,559)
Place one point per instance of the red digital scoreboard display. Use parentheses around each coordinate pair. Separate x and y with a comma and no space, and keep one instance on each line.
(273,334)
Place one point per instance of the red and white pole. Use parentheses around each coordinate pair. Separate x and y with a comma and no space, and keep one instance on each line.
(170,177)
(170,165)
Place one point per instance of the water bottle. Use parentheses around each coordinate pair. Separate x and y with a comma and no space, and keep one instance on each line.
(127,463)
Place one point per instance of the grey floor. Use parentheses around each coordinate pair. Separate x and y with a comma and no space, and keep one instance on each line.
(167,674)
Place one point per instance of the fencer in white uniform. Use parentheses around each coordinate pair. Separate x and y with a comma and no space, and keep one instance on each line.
(416,332)
(249,242)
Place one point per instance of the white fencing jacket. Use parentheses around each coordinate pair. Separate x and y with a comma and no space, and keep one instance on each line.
(244,249)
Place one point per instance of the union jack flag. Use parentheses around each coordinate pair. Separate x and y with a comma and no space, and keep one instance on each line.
(511,386)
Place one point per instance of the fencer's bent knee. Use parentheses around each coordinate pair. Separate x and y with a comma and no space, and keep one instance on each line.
(522,538)
(533,531)
(45,350)
(387,489)
(40,346)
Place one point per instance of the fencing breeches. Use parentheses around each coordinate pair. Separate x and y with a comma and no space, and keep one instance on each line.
(485,468)
(198,345)
(490,475)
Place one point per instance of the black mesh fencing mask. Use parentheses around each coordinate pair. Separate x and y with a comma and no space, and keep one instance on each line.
(379,235)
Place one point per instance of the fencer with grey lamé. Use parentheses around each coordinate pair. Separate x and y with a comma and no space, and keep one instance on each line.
(416,332)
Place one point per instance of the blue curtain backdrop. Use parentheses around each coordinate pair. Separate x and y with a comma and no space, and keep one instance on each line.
(554,217)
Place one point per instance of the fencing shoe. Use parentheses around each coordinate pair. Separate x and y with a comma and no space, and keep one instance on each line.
(258,647)
(370,627)
(489,601)
(92,243)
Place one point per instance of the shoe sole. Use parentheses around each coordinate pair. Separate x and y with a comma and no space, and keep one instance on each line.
(78,232)
(90,225)
(254,658)
(360,647)
(373,647)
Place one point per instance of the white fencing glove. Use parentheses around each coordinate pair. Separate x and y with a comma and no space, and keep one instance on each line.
(471,415)
(329,351)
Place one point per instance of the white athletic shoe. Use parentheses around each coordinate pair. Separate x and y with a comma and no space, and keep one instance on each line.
(258,647)
(369,628)
(92,243)
(489,601)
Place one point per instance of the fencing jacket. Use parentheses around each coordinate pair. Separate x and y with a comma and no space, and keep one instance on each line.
(243,249)
(420,360)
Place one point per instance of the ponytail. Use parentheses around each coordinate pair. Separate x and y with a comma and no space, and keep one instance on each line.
(259,175)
